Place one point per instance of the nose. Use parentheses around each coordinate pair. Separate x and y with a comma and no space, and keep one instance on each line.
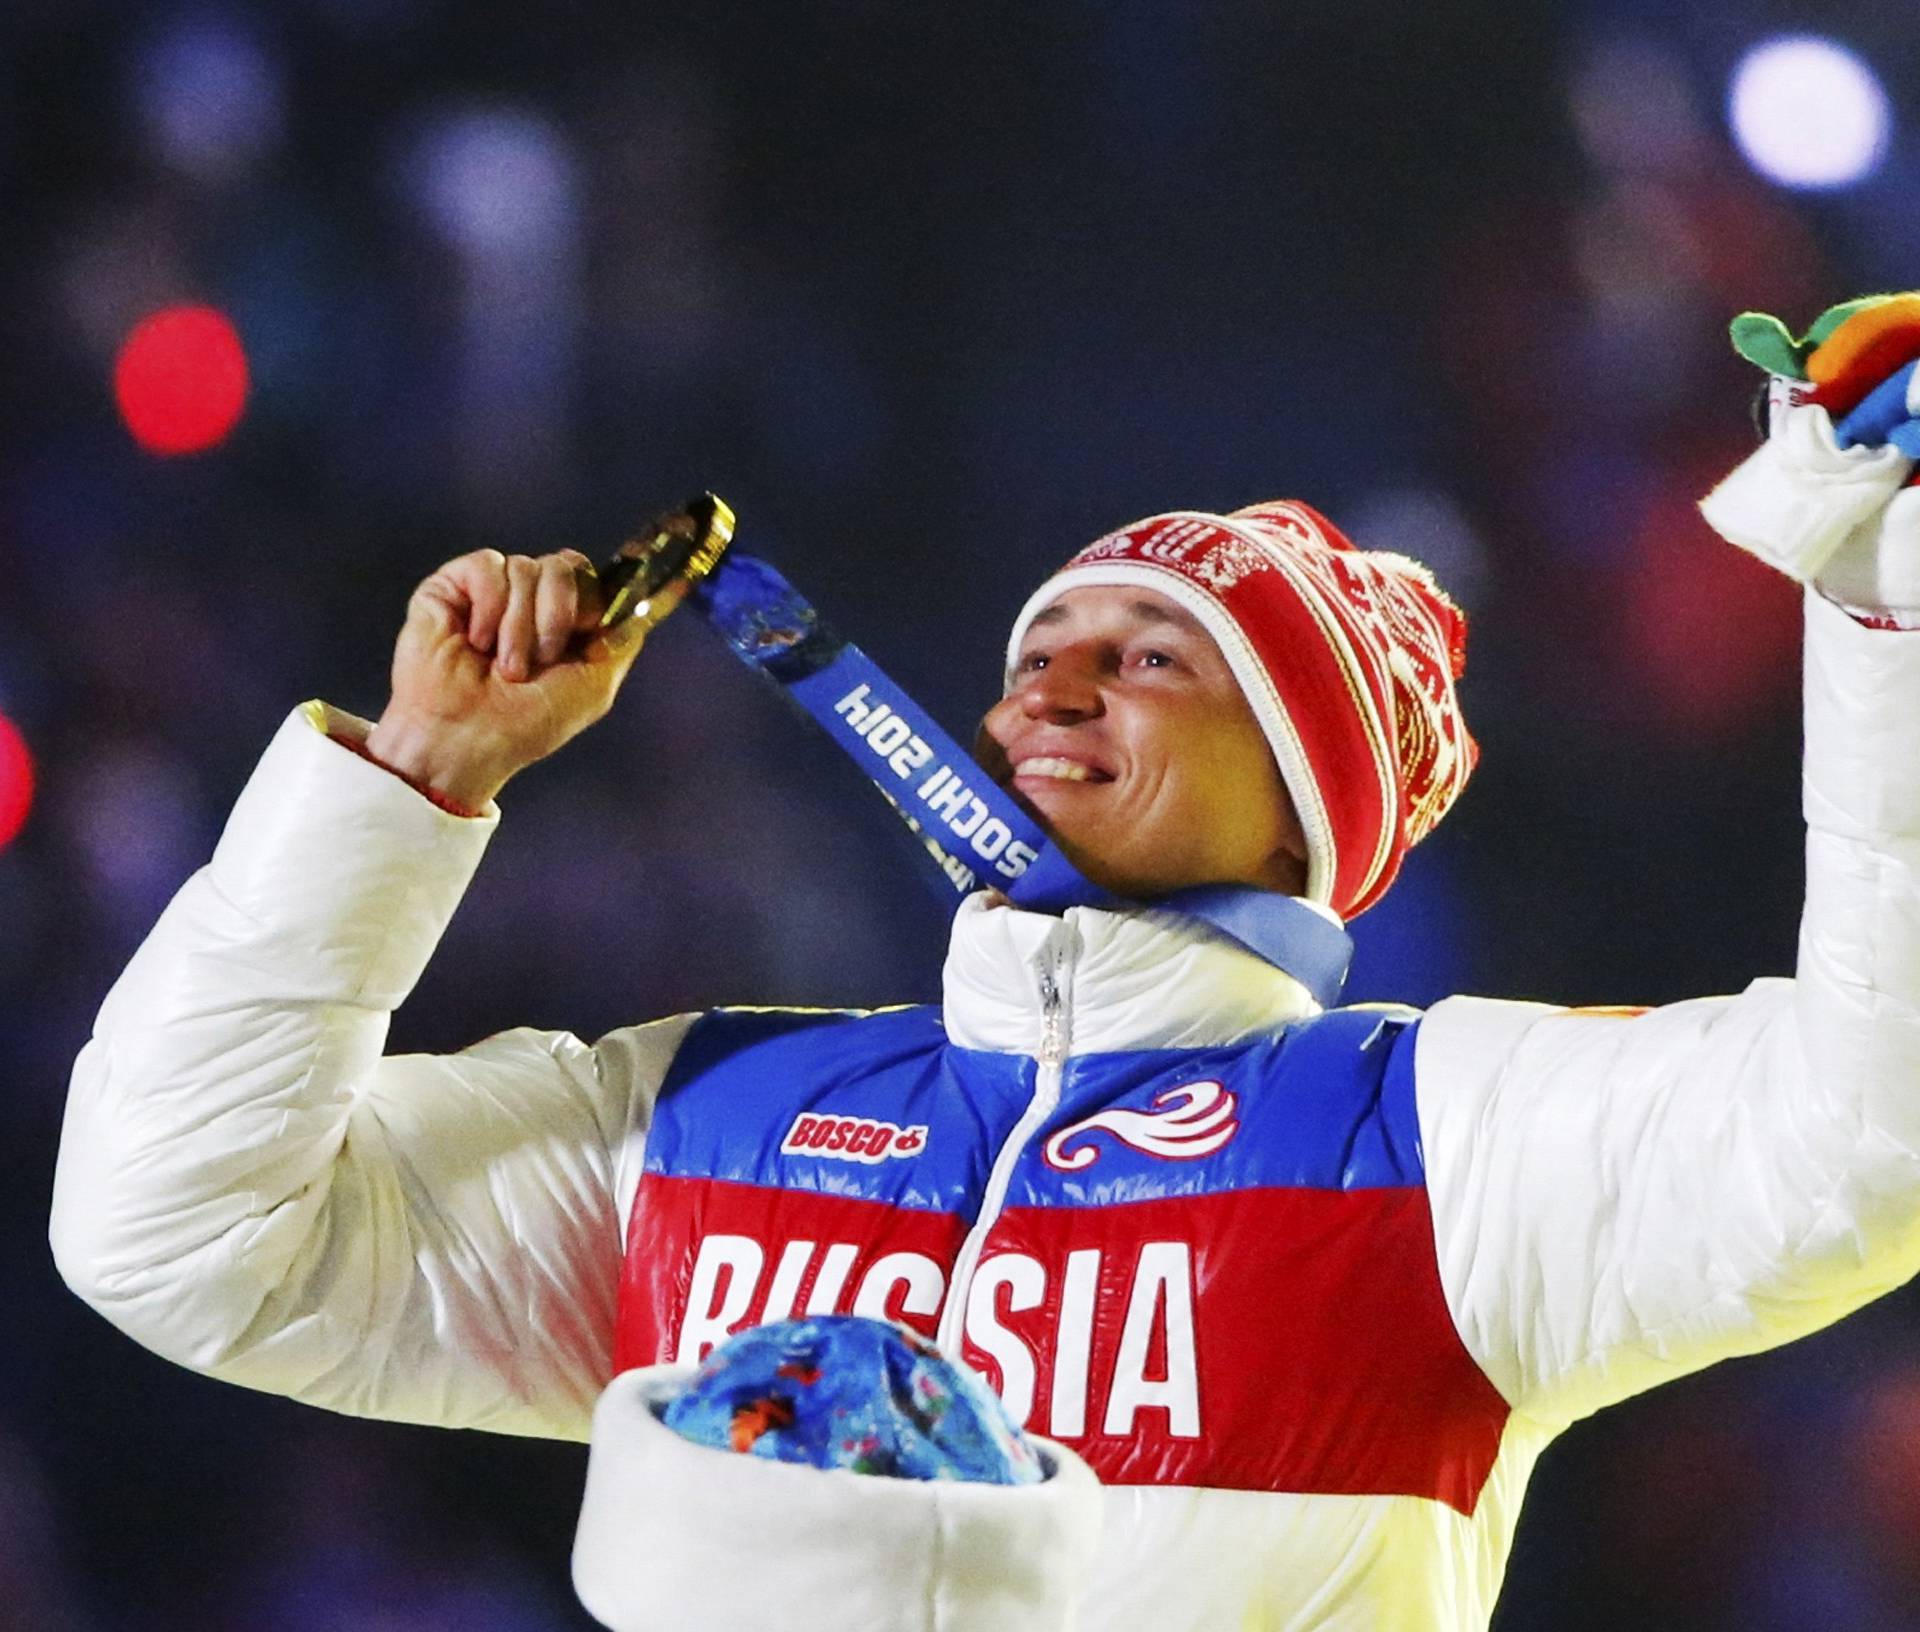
(1066,690)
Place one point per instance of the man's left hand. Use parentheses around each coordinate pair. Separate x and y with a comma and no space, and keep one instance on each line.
(1815,500)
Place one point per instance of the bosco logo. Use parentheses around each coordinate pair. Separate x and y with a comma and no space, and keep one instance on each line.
(852,1138)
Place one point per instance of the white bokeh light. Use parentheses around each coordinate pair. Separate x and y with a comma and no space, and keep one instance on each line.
(1807,112)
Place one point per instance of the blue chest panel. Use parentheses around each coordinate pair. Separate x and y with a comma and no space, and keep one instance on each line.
(1327,1104)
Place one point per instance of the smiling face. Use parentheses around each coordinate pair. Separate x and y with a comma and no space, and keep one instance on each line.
(1125,734)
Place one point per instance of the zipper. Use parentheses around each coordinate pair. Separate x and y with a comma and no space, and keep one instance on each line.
(1052,1058)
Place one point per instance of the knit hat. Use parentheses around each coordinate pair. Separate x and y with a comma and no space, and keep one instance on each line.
(1348,657)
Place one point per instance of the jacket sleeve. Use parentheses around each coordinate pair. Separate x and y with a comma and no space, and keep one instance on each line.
(246,1186)
(1621,1199)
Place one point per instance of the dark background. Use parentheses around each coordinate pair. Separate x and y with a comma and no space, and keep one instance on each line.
(933,295)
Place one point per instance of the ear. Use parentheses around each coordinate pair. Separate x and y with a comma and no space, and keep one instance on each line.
(1285,874)
(1287,867)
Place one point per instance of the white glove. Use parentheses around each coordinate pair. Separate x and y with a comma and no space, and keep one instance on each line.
(1801,502)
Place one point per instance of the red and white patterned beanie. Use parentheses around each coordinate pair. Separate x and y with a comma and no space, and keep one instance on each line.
(1348,656)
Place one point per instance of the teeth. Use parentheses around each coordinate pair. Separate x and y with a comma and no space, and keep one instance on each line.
(1064,770)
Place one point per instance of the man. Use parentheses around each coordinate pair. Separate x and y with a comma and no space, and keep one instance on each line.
(1309,1292)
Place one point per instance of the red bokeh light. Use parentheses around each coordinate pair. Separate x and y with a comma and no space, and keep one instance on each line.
(16,782)
(181,379)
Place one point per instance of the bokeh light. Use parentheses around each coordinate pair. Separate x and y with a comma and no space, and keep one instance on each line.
(1428,524)
(181,380)
(16,782)
(210,96)
(495,181)
(1809,113)
(1633,107)
(501,188)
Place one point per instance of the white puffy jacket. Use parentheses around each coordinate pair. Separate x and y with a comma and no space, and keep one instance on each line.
(249,1187)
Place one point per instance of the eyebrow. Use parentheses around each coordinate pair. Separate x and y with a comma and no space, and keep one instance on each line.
(1143,610)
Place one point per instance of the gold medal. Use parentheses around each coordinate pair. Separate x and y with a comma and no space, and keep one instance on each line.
(655,569)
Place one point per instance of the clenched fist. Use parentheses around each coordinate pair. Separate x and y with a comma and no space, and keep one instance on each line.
(496,667)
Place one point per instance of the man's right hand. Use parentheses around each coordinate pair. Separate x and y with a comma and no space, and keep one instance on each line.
(496,667)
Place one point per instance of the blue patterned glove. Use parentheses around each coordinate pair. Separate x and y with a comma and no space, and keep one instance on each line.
(840,1391)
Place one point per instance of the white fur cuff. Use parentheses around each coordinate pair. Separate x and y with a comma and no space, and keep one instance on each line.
(1796,499)
(678,1537)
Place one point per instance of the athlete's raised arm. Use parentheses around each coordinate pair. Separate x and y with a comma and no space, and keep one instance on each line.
(246,1185)
(1621,1199)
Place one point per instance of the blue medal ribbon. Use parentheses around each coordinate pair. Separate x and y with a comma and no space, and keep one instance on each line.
(975,833)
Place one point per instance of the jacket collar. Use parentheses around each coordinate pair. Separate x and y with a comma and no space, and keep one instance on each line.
(1133,979)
